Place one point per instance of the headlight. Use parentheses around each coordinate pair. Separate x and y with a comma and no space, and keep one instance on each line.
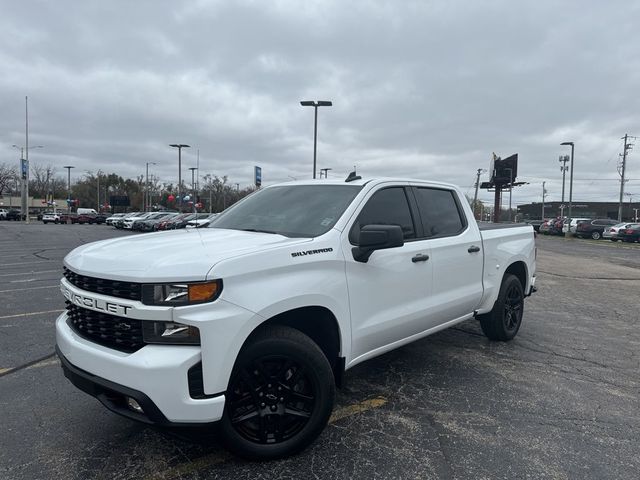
(170,333)
(180,294)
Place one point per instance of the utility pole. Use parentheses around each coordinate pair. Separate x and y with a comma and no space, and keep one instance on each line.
(627,146)
(544,192)
(475,197)
(68,167)
(193,187)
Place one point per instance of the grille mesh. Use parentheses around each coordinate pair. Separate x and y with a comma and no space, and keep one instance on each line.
(119,333)
(112,288)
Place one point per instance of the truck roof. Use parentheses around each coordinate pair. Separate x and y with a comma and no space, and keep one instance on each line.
(364,181)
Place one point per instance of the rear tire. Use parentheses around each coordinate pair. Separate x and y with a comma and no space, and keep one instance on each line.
(280,395)
(503,322)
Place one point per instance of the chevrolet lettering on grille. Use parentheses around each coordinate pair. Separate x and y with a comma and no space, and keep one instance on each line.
(94,303)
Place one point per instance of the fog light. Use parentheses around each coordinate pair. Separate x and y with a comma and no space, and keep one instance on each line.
(134,405)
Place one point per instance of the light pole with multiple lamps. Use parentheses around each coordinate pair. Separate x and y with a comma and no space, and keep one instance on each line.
(570,187)
(179,146)
(68,167)
(315,104)
(147,199)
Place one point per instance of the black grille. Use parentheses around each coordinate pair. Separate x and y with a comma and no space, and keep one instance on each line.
(119,333)
(112,288)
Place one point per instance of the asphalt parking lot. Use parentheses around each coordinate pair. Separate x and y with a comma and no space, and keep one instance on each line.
(560,401)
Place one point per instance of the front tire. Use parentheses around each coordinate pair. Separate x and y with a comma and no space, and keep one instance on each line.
(280,395)
(595,235)
(503,322)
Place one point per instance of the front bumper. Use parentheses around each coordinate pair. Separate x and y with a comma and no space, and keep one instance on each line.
(156,376)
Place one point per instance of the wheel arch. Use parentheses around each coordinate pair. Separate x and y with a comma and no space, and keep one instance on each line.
(519,269)
(320,325)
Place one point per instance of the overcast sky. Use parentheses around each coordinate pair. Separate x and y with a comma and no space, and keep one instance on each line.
(425,89)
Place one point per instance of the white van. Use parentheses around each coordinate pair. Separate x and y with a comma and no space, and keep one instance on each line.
(87,211)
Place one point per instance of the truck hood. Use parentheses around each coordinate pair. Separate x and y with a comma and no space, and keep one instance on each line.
(179,255)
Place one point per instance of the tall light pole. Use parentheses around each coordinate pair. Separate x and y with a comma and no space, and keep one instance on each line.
(315,104)
(570,187)
(68,167)
(24,175)
(147,198)
(544,192)
(193,187)
(179,146)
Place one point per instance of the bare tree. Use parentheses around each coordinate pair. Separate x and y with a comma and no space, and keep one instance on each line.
(41,179)
(7,177)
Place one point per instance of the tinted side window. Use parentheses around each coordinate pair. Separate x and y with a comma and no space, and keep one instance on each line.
(385,207)
(439,212)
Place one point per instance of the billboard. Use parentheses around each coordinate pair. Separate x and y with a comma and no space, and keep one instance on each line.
(119,200)
(504,171)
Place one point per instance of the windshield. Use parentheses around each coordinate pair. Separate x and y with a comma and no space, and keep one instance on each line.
(289,210)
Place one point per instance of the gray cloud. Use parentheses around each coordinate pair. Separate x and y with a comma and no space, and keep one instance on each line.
(420,89)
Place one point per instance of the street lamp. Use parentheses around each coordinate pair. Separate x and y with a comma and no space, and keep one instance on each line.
(68,167)
(179,146)
(570,187)
(147,199)
(315,104)
(24,170)
(193,187)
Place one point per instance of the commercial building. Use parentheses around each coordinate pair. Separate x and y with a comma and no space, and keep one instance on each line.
(630,211)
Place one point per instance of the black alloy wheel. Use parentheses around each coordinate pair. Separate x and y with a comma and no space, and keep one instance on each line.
(504,320)
(280,395)
(513,306)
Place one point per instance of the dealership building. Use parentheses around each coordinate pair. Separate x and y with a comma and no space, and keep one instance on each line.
(530,211)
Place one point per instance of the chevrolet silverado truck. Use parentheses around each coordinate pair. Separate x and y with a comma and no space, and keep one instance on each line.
(250,324)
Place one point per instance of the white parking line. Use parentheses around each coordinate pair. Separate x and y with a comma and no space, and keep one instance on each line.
(24,263)
(29,273)
(30,314)
(32,288)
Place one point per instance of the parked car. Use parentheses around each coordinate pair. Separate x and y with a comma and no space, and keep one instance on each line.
(253,321)
(3,214)
(631,234)
(574,222)
(535,223)
(545,226)
(149,223)
(593,228)
(128,222)
(50,217)
(113,218)
(119,223)
(83,218)
(201,220)
(181,221)
(15,215)
(611,233)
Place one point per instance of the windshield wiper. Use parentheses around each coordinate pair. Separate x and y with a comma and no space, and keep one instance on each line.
(258,230)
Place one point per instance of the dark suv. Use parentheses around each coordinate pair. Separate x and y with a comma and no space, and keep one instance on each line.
(593,228)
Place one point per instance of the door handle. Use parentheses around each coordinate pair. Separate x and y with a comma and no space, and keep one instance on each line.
(420,258)
(473,249)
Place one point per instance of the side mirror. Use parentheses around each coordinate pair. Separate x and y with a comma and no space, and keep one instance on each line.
(377,237)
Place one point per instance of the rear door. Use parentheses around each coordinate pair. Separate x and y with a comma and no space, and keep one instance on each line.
(456,254)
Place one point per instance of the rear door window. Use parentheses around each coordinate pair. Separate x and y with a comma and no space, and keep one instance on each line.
(440,212)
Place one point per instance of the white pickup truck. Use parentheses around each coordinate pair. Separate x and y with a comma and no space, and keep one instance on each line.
(250,324)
